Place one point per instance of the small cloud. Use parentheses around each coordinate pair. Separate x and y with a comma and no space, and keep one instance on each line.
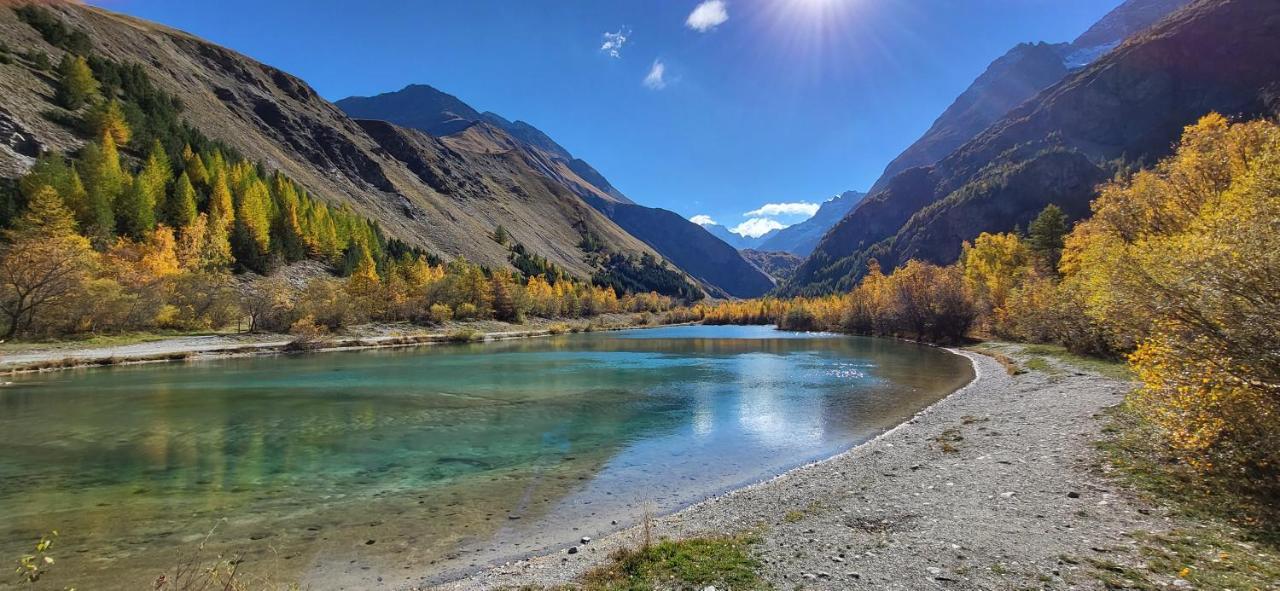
(707,16)
(757,227)
(703,220)
(613,42)
(655,80)
(796,208)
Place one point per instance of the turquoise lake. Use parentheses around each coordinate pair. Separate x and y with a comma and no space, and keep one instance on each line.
(381,468)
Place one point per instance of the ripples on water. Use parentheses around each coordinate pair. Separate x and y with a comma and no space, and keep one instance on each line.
(441,456)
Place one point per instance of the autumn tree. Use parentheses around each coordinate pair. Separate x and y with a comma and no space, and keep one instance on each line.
(222,212)
(105,181)
(107,118)
(44,265)
(1182,263)
(995,264)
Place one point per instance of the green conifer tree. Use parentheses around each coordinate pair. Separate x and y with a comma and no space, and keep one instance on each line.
(180,208)
(76,84)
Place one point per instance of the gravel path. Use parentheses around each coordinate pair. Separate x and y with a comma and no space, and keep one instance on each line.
(997,486)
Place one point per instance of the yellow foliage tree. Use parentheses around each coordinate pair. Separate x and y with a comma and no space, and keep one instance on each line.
(1182,262)
(45,264)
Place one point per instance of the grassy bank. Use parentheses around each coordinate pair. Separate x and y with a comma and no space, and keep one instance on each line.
(1222,539)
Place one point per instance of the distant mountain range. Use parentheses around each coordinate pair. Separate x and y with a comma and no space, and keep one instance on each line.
(1125,108)
(800,239)
(734,239)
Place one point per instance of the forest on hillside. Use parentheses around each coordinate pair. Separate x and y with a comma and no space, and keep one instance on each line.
(152,225)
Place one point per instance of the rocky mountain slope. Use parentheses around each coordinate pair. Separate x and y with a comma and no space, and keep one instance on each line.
(800,239)
(1019,75)
(717,265)
(444,196)
(1130,105)
(777,264)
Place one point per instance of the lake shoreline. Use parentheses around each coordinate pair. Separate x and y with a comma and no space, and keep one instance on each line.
(995,485)
(207,347)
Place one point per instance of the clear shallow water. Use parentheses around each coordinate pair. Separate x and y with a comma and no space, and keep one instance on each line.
(339,468)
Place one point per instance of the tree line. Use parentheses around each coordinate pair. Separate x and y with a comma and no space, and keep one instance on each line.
(1177,270)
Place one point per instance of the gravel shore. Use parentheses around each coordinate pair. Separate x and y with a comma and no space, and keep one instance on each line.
(997,486)
(70,354)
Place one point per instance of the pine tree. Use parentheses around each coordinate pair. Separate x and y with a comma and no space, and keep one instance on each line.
(253,213)
(54,171)
(104,182)
(1047,232)
(135,210)
(221,211)
(216,249)
(195,169)
(76,85)
(180,208)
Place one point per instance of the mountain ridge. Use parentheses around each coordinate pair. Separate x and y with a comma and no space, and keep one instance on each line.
(1132,103)
(425,192)
(721,269)
(1020,74)
(800,239)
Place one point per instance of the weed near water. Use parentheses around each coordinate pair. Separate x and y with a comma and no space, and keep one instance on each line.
(722,562)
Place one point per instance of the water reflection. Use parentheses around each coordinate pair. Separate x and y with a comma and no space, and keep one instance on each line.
(428,452)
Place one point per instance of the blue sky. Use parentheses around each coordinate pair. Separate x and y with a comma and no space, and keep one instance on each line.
(713,108)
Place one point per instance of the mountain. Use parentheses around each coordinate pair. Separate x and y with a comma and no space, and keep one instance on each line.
(1018,76)
(440,196)
(705,257)
(445,194)
(778,265)
(717,265)
(1128,106)
(735,240)
(800,239)
(430,110)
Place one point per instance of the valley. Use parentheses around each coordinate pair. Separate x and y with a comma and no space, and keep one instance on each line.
(261,332)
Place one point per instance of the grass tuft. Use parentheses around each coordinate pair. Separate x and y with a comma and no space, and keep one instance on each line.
(722,562)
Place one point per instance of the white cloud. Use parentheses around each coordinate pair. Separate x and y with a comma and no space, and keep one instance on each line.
(703,219)
(655,80)
(803,208)
(613,42)
(757,227)
(707,16)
